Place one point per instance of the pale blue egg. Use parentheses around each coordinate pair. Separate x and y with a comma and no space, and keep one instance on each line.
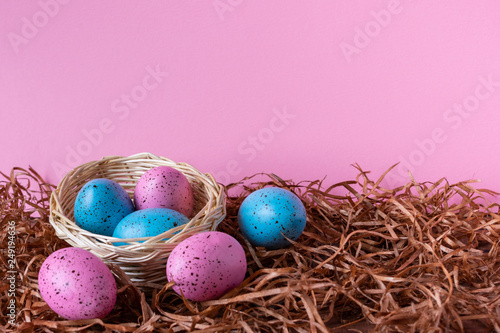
(148,222)
(100,205)
(269,214)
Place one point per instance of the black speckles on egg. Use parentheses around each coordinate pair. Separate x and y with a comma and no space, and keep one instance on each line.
(100,205)
(148,222)
(164,187)
(267,215)
(206,265)
(69,284)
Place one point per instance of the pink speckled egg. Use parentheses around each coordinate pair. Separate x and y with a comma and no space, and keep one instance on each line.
(164,187)
(77,285)
(206,266)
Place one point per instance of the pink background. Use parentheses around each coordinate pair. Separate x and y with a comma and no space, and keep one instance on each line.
(368,82)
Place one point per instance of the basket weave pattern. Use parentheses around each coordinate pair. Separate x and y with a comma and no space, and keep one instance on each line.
(143,262)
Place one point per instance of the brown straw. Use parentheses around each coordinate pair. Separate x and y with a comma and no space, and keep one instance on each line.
(423,257)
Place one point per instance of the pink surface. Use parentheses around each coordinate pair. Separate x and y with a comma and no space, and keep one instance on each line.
(235,87)
(164,187)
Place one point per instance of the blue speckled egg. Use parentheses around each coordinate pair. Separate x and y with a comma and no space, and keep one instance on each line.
(268,214)
(100,205)
(148,222)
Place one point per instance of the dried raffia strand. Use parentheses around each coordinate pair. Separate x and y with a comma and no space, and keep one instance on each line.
(422,257)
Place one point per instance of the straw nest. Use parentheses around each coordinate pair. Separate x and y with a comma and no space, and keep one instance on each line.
(143,262)
(423,257)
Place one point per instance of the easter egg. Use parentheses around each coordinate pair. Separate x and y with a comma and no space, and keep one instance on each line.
(148,222)
(164,187)
(206,266)
(77,285)
(100,205)
(269,214)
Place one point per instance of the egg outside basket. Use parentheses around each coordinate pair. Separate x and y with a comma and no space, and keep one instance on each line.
(143,262)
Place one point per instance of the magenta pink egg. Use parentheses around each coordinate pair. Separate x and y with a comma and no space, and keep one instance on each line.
(164,187)
(77,285)
(206,266)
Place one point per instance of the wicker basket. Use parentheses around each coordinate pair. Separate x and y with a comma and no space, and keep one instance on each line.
(143,262)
